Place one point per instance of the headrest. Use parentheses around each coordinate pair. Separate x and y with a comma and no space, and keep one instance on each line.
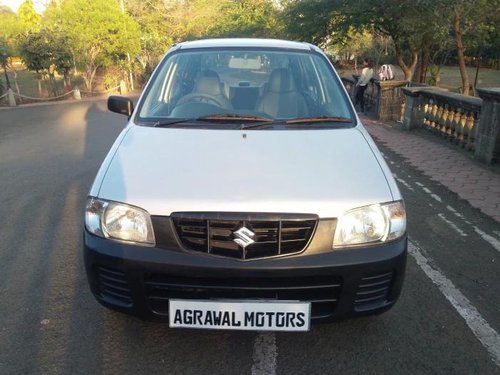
(281,81)
(208,83)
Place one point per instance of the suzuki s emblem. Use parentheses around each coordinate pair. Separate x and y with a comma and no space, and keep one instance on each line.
(244,237)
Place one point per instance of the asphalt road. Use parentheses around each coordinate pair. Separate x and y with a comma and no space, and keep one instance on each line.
(446,322)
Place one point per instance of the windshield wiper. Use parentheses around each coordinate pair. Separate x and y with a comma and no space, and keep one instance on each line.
(235,116)
(308,120)
(255,121)
(219,117)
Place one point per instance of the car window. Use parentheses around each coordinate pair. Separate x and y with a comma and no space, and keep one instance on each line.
(276,84)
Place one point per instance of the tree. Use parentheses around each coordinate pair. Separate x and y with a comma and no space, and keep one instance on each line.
(10,27)
(403,21)
(29,19)
(4,53)
(474,22)
(46,52)
(247,18)
(98,33)
(155,33)
(309,20)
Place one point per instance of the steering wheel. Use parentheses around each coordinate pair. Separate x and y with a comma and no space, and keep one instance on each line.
(201,98)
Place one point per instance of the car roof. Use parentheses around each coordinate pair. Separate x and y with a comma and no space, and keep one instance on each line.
(246,42)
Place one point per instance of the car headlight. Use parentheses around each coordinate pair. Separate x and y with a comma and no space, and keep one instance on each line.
(118,221)
(371,224)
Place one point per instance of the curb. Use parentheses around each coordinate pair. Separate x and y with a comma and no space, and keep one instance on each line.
(133,94)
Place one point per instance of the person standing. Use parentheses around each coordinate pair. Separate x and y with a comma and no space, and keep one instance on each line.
(364,79)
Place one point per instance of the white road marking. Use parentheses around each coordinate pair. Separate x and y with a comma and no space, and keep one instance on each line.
(453,225)
(435,196)
(488,337)
(264,354)
(428,191)
(458,214)
(403,182)
(490,239)
(455,212)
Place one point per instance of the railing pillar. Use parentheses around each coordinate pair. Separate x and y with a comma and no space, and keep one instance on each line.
(11,98)
(349,84)
(123,87)
(412,117)
(389,99)
(76,94)
(488,133)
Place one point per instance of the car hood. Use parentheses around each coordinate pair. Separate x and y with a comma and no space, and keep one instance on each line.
(323,172)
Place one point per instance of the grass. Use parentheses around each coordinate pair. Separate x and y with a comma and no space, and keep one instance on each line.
(450,77)
(28,82)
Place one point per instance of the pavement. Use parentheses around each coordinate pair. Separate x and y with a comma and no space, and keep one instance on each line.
(442,162)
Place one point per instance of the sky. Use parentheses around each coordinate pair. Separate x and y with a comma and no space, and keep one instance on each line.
(14,4)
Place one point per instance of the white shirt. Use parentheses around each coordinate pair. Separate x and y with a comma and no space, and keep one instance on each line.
(366,75)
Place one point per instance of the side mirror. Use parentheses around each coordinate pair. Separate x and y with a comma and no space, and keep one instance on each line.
(121,105)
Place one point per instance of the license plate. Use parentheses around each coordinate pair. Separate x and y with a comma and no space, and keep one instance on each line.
(240,315)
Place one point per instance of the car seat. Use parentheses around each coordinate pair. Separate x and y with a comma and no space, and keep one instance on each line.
(282,99)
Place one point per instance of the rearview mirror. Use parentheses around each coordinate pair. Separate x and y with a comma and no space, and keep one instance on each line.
(121,105)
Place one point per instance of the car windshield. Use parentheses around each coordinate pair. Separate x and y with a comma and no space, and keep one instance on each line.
(226,85)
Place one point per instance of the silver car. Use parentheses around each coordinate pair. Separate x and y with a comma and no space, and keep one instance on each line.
(244,193)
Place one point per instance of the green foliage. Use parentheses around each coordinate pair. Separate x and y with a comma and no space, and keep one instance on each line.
(434,71)
(409,24)
(99,35)
(10,28)
(479,25)
(4,51)
(155,34)
(247,18)
(309,20)
(29,19)
(46,52)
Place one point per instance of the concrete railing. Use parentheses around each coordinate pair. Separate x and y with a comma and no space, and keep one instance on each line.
(384,98)
(467,121)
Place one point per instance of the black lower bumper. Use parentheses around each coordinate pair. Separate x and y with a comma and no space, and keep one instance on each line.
(140,280)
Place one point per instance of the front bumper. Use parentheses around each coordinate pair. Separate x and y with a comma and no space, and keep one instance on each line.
(342,283)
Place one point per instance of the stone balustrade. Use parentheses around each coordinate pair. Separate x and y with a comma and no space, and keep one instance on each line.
(472,123)
(349,84)
(452,116)
(384,98)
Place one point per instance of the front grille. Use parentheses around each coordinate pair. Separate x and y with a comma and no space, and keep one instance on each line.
(322,291)
(113,286)
(373,291)
(273,236)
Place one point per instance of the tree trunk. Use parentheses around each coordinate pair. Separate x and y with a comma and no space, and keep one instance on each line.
(418,70)
(52,82)
(457,28)
(89,77)
(407,69)
(67,82)
(424,64)
(15,82)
